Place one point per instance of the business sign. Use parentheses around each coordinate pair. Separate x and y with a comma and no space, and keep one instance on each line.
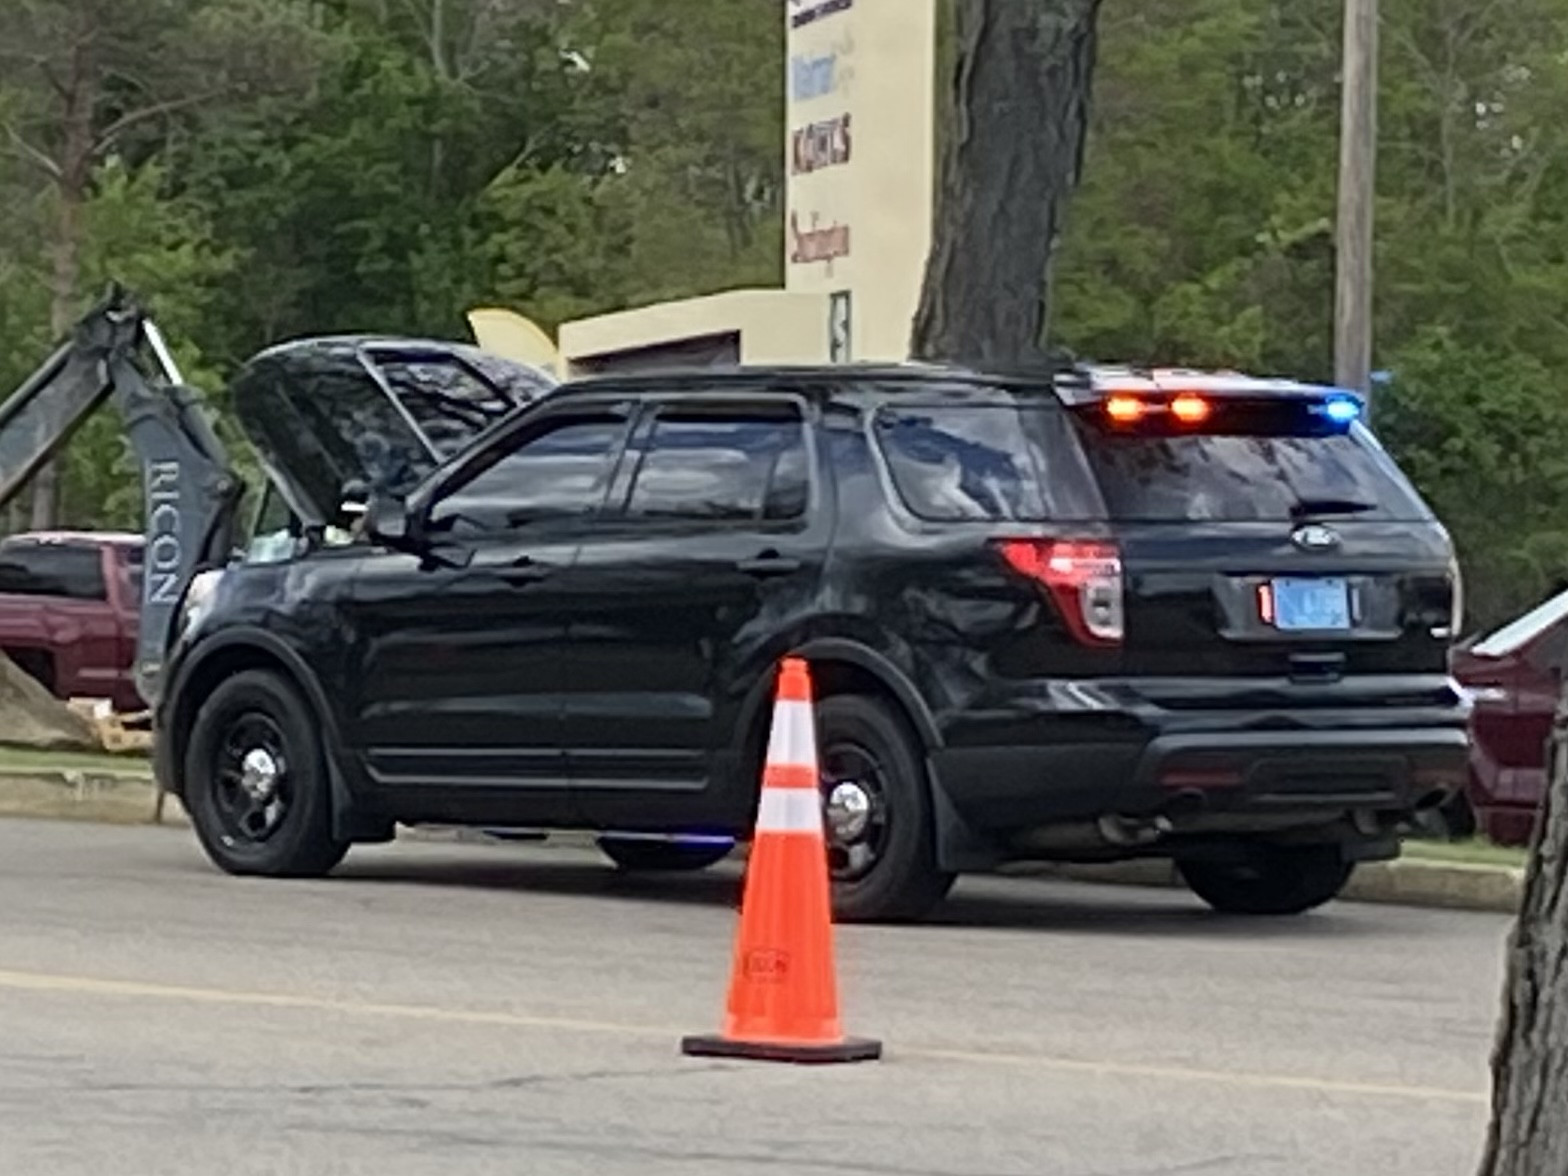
(805,12)
(820,145)
(813,76)
(840,327)
(859,96)
(815,243)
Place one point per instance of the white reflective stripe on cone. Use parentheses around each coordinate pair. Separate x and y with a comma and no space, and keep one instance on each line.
(794,736)
(790,810)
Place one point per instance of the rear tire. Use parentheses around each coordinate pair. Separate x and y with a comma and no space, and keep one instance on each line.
(650,857)
(865,736)
(1270,879)
(256,784)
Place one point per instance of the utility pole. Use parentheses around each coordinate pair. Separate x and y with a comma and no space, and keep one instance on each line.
(1357,187)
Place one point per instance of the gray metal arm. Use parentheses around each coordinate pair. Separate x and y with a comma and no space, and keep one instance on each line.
(191,493)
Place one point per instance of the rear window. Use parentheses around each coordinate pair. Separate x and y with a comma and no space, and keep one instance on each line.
(74,572)
(982,463)
(731,466)
(1248,478)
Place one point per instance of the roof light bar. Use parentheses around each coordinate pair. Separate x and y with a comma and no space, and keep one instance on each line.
(1189,408)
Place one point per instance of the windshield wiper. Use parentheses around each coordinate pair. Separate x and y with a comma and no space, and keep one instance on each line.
(1307,507)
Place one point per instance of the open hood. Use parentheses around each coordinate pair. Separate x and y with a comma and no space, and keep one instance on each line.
(326,413)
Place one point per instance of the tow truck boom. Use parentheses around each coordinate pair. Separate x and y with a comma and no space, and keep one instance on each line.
(190,492)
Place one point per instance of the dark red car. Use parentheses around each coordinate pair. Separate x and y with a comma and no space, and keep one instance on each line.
(69,611)
(1514,675)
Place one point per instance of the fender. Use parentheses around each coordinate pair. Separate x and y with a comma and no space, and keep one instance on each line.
(349,818)
(959,847)
(885,671)
(853,652)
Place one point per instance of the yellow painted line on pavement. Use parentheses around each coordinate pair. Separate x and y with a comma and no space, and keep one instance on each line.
(135,989)
(1234,1077)
(87,986)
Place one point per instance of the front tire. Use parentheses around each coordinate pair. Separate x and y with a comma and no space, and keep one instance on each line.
(879,824)
(1270,880)
(256,781)
(639,856)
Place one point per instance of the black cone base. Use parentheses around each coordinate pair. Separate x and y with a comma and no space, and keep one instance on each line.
(851,1049)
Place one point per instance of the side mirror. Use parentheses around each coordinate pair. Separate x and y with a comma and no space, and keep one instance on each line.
(388,521)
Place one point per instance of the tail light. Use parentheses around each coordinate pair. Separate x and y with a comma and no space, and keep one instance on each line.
(1084,579)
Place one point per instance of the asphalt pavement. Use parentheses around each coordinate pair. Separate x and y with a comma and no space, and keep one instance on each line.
(453,1009)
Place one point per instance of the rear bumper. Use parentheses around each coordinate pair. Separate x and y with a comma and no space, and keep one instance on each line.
(1392,769)
(1004,773)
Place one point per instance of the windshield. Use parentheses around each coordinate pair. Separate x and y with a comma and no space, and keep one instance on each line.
(1248,478)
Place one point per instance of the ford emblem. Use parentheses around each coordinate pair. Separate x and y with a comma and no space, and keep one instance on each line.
(1315,537)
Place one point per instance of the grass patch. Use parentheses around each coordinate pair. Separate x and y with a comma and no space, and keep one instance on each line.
(1476,852)
(24,759)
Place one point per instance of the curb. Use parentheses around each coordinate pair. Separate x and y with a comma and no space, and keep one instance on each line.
(1408,882)
(130,799)
(112,798)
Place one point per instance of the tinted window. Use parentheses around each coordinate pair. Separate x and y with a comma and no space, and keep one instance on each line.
(47,569)
(745,466)
(964,463)
(561,472)
(1248,478)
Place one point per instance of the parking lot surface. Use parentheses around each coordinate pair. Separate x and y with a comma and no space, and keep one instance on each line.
(445,1008)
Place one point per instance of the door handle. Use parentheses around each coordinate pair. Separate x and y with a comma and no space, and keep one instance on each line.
(523,570)
(769,563)
(521,576)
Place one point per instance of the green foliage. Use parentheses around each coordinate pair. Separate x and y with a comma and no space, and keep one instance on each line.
(1203,235)
(1482,430)
(345,165)
(162,248)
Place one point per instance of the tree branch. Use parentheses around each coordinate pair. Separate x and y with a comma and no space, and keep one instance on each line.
(126,121)
(26,150)
(47,69)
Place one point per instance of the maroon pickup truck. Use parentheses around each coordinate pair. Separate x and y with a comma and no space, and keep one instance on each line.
(69,611)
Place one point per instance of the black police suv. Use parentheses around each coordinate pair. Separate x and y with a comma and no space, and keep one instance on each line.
(1099,615)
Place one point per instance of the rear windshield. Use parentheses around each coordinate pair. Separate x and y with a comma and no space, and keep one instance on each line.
(72,571)
(1248,478)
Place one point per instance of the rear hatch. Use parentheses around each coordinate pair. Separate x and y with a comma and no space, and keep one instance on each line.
(1267,535)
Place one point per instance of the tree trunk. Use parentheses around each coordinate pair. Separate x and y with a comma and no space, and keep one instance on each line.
(1011,157)
(75,171)
(1529,1133)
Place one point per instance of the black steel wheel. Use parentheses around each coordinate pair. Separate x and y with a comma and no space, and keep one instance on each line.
(881,838)
(1270,879)
(256,782)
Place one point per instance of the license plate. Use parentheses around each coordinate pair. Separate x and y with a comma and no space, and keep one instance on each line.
(1311,605)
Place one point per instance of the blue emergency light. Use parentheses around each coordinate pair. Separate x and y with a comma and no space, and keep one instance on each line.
(1342,410)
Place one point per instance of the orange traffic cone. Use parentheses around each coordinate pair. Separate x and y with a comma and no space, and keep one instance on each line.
(783,997)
